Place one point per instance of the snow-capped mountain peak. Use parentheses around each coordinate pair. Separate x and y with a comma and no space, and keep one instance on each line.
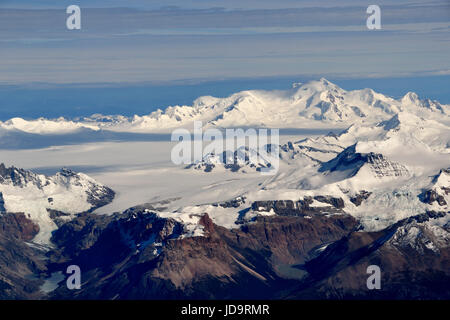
(49,199)
(412,102)
(410,97)
(351,160)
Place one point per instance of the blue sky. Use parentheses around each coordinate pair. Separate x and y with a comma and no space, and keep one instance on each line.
(135,56)
(163,41)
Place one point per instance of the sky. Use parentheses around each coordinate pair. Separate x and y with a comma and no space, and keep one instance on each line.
(163,41)
(137,55)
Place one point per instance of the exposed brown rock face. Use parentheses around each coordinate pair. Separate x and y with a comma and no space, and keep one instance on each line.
(437,192)
(139,255)
(239,263)
(18,226)
(300,207)
(58,216)
(19,263)
(446,190)
(2,203)
(360,197)
(290,239)
(272,257)
(430,196)
(414,263)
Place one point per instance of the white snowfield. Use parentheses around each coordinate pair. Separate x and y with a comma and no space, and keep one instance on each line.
(316,104)
(396,150)
(395,160)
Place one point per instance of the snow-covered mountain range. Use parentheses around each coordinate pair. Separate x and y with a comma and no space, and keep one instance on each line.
(379,190)
(314,104)
(390,150)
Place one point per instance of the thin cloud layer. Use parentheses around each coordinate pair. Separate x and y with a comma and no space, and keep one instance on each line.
(173,40)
